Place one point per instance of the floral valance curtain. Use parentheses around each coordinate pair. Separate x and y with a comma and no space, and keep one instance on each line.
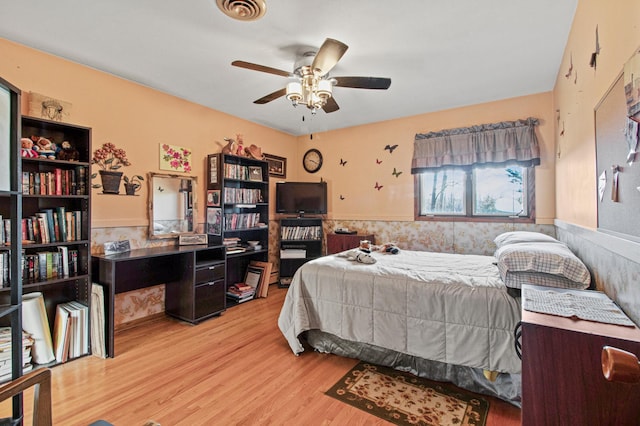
(496,143)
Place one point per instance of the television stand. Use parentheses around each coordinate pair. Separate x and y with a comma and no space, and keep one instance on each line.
(300,241)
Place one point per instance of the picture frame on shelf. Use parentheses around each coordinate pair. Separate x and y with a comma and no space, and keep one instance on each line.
(265,277)
(213,198)
(254,276)
(214,221)
(114,247)
(255,173)
(187,240)
(277,165)
(213,170)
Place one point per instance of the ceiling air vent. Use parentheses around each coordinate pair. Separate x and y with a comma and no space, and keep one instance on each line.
(243,10)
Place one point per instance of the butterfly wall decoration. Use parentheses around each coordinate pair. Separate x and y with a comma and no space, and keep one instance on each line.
(391,148)
(378,161)
(343,162)
(341,197)
(395,172)
(378,186)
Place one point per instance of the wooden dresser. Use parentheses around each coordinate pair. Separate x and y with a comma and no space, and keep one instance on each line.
(341,242)
(562,380)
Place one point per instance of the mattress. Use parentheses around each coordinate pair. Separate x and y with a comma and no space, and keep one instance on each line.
(442,307)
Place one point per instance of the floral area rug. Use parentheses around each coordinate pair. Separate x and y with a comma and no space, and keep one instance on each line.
(405,399)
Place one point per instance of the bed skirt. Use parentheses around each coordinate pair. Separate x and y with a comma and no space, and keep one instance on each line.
(507,387)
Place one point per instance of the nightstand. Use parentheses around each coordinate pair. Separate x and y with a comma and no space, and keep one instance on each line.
(562,379)
(341,242)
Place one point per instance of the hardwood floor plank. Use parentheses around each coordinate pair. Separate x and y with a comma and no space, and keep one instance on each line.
(234,369)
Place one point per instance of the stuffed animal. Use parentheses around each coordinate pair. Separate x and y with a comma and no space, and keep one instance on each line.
(231,147)
(67,152)
(45,148)
(27,148)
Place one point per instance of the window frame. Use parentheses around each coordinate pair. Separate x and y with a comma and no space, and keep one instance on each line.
(468,216)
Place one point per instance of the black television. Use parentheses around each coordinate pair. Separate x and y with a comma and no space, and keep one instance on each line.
(301,198)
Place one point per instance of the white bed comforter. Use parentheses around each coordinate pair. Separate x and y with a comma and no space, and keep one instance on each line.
(443,307)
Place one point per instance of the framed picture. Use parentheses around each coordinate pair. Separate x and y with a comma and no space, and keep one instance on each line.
(213,169)
(263,288)
(185,240)
(114,247)
(255,173)
(175,158)
(253,276)
(277,165)
(214,221)
(213,198)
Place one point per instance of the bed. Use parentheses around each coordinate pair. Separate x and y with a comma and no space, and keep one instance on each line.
(443,316)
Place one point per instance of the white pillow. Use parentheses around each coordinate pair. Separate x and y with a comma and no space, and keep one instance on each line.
(552,258)
(515,237)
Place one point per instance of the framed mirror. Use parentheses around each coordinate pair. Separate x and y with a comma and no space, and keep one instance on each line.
(172,205)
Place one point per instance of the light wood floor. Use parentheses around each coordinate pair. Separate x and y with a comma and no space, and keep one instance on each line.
(235,369)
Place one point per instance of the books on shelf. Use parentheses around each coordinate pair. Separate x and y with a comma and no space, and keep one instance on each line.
(71,331)
(52,225)
(56,182)
(6,355)
(233,221)
(301,232)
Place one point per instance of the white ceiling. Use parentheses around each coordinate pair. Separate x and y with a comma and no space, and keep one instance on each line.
(439,54)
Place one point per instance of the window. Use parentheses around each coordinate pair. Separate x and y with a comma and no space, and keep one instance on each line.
(479,191)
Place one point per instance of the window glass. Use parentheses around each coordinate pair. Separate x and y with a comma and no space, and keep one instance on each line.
(443,192)
(499,191)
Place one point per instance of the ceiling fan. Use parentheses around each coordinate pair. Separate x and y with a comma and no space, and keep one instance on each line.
(311,84)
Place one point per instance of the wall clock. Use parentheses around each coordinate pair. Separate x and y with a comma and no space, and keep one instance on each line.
(312,160)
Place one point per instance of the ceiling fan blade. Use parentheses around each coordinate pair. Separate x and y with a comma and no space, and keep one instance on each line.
(328,56)
(331,105)
(271,96)
(262,68)
(363,82)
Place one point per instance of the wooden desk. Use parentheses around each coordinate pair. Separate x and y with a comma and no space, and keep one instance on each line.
(193,276)
(562,380)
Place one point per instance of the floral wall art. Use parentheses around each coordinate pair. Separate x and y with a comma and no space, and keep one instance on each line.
(175,158)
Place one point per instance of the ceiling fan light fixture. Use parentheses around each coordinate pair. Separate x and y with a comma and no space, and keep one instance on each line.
(294,92)
(243,10)
(324,89)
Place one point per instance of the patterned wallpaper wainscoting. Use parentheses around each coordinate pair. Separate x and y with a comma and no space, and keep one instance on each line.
(448,237)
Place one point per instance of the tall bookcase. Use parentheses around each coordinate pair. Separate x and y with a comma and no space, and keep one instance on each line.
(10,207)
(300,241)
(238,210)
(55,220)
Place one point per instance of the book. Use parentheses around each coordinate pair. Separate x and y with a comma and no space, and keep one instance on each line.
(82,331)
(62,223)
(61,333)
(64,261)
(50,225)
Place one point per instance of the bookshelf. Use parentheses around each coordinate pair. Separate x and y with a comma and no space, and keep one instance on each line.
(238,211)
(54,223)
(11,206)
(300,241)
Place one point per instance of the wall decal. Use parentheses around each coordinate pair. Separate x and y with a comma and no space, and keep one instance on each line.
(395,172)
(575,79)
(594,55)
(341,197)
(378,187)
(568,74)
(391,148)
(343,162)
(378,161)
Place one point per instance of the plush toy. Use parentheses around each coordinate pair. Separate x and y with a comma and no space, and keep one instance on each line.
(45,148)
(27,148)
(358,255)
(67,152)
(231,147)
(387,248)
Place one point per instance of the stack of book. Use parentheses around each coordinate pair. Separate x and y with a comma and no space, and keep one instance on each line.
(71,331)
(240,292)
(5,353)
(233,245)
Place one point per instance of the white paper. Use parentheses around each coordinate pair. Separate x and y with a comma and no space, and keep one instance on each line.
(602,183)
(35,322)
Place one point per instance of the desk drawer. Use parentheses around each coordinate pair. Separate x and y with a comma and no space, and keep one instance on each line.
(209,273)
(210,299)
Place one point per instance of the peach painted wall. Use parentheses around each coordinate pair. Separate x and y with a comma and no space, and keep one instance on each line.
(363,146)
(619,35)
(134,118)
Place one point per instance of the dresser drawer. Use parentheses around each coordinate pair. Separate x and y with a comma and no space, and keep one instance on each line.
(209,273)
(210,299)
